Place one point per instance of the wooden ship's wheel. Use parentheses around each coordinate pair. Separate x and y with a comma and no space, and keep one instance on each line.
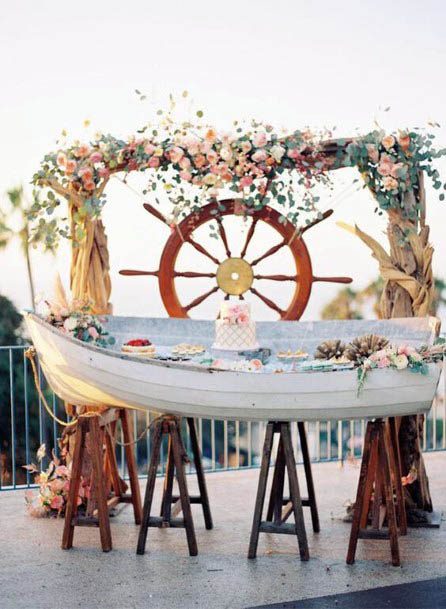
(236,275)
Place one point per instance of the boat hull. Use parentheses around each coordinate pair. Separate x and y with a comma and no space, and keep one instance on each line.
(85,375)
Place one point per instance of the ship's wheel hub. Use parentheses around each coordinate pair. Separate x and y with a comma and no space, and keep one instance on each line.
(235,276)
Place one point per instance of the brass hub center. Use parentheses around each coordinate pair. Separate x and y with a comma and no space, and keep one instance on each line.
(234,276)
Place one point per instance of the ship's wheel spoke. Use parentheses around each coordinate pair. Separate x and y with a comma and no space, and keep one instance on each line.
(202,250)
(269,303)
(333,279)
(249,236)
(201,298)
(277,277)
(221,230)
(134,272)
(270,252)
(193,274)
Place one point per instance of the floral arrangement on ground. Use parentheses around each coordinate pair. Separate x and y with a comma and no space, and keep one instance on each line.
(53,487)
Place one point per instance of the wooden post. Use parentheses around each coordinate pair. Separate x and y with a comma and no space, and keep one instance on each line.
(176,458)
(379,471)
(104,476)
(276,519)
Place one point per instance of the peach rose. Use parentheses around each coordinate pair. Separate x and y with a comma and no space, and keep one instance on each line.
(388,142)
(404,141)
(70,167)
(245,147)
(89,185)
(211,135)
(61,159)
(149,148)
(81,151)
(200,161)
(86,174)
(390,183)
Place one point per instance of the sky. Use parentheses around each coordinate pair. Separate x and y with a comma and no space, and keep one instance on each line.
(292,63)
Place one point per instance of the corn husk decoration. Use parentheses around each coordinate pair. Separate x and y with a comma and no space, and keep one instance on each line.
(364,346)
(330,349)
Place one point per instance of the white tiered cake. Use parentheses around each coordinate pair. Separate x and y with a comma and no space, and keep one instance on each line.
(234,330)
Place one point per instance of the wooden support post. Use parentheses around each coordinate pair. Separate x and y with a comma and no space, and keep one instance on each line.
(275,522)
(107,488)
(177,456)
(307,502)
(380,474)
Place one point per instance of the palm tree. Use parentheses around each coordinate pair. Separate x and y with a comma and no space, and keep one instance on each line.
(16,212)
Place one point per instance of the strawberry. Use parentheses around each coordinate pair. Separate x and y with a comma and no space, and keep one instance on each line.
(138,342)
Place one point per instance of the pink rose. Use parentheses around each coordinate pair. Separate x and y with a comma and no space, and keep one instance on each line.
(70,167)
(373,153)
(149,148)
(104,172)
(93,332)
(62,470)
(246,181)
(398,170)
(85,173)
(385,165)
(245,147)
(384,362)
(57,502)
(259,156)
(176,154)
(186,175)
(154,162)
(95,157)
(259,140)
(212,157)
(293,153)
(185,163)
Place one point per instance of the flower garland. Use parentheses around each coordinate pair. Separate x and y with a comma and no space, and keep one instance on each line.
(192,162)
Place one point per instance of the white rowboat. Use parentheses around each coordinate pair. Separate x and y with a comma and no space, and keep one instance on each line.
(83,374)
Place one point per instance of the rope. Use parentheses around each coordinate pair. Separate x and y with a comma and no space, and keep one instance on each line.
(136,440)
(31,354)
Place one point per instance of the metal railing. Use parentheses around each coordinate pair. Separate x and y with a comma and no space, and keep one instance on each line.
(25,425)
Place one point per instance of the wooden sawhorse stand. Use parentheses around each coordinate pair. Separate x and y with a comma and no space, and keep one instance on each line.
(277,514)
(103,479)
(380,490)
(176,459)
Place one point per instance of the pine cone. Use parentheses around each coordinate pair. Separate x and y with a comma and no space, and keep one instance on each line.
(330,349)
(362,347)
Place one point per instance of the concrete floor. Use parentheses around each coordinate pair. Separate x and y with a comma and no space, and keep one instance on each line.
(35,572)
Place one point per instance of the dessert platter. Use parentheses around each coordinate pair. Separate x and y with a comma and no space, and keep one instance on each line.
(223,369)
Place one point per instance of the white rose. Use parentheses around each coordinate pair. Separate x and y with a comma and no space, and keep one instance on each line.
(277,152)
(70,324)
(226,153)
(401,362)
